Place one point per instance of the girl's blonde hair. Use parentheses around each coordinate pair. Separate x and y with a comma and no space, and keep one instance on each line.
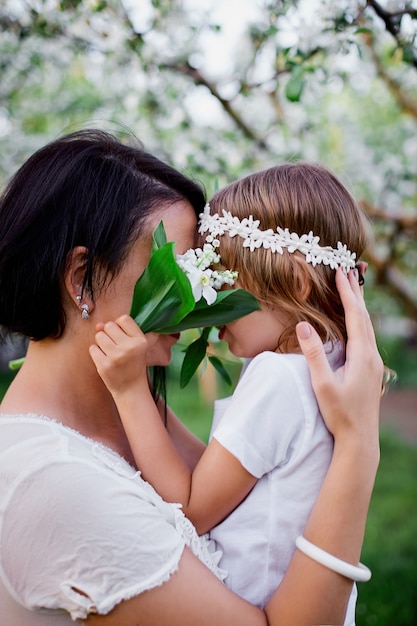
(302,197)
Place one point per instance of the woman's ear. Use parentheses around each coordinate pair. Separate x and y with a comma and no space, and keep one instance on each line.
(74,277)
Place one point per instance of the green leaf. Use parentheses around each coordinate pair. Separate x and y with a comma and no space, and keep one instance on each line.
(229,306)
(294,88)
(16,364)
(220,368)
(408,54)
(194,355)
(163,294)
(363,30)
(159,237)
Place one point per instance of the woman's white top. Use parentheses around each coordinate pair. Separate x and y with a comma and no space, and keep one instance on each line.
(80,530)
(272,425)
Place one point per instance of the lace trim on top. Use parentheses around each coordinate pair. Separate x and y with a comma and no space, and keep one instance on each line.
(202,546)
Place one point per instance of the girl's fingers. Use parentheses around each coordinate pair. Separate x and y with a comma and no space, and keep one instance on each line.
(106,342)
(117,333)
(98,357)
(128,325)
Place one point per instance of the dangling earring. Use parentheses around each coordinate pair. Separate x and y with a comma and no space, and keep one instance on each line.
(84,309)
(84,313)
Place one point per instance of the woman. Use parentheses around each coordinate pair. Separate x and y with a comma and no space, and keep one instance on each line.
(82,535)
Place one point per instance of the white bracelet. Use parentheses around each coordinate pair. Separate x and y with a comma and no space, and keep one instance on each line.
(354,572)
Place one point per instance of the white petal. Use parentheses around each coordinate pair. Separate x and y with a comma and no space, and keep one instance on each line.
(209,294)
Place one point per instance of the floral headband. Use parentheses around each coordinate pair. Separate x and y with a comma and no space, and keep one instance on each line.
(253,238)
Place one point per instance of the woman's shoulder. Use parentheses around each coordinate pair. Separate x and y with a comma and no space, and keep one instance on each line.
(70,510)
(47,467)
(42,437)
(35,448)
(63,498)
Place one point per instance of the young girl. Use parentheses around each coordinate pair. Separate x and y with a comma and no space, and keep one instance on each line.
(286,231)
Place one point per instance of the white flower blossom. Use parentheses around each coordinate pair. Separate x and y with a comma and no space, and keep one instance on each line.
(205,281)
(201,285)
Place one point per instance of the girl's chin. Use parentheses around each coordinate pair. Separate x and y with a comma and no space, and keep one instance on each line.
(161,352)
(162,359)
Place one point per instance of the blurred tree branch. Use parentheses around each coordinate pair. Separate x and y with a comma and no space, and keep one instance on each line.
(402,227)
(62,63)
(391,20)
(406,102)
(186,69)
(403,221)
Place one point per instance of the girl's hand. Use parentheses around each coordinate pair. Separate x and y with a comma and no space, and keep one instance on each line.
(119,355)
(349,398)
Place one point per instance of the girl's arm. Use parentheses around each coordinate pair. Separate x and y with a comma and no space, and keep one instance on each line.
(309,593)
(188,445)
(206,497)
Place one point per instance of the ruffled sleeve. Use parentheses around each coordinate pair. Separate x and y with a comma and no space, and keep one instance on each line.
(82,534)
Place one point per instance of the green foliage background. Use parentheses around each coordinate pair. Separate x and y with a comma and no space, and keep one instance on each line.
(337,84)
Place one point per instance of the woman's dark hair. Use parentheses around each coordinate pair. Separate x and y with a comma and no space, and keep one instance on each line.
(84,189)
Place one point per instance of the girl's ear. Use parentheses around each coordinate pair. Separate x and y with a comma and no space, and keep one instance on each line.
(74,277)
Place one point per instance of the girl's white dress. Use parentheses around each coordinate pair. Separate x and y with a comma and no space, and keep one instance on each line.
(272,424)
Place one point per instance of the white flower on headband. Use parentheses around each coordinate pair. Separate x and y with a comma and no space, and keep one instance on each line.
(253,238)
(205,281)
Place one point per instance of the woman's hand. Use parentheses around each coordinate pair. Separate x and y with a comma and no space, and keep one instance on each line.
(119,355)
(349,398)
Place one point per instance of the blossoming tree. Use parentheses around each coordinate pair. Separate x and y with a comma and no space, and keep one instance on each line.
(329,81)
